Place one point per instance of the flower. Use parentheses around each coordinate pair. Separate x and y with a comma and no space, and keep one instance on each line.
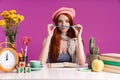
(10,23)
(26,40)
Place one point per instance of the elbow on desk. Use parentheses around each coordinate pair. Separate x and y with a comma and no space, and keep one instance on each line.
(81,62)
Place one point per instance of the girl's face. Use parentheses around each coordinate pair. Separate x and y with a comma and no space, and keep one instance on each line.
(63,21)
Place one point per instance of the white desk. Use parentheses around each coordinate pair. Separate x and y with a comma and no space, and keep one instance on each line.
(60,74)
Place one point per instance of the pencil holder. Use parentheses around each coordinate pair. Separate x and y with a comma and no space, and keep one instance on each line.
(24,59)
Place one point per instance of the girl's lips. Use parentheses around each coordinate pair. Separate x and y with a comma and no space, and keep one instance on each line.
(62,28)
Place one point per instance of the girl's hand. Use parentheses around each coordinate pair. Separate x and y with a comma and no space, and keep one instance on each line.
(78,29)
(50,30)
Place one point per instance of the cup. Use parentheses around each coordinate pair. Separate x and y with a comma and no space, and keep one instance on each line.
(35,64)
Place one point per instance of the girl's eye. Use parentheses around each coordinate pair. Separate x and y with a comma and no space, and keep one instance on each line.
(59,21)
(67,21)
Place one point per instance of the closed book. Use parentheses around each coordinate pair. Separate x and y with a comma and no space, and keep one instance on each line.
(110,58)
(112,67)
(113,55)
(106,69)
(112,63)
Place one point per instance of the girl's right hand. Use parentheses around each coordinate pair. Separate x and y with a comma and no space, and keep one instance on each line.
(50,29)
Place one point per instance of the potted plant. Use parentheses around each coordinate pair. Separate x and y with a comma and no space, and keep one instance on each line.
(93,52)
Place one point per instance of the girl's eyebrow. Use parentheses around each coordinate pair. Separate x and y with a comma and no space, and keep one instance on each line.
(59,20)
(66,19)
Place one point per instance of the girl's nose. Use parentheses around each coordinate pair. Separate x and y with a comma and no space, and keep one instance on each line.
(63,24)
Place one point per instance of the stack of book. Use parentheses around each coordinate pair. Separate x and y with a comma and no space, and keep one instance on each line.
(111,62)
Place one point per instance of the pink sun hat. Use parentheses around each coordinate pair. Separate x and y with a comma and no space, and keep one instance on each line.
(69,11)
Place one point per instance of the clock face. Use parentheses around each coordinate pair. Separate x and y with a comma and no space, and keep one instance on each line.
(8,59)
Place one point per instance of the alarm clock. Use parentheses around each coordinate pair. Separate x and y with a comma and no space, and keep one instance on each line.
(8,59)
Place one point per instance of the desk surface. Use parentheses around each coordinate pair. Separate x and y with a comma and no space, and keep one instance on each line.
(60,74)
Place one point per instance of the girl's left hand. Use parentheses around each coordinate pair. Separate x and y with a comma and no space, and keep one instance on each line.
(78,29)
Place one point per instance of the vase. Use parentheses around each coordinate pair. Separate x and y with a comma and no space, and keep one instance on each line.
(10,42)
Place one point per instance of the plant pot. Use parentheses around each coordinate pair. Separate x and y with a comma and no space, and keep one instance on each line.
(90,58)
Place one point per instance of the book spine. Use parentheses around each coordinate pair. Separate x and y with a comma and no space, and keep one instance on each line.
(113,63)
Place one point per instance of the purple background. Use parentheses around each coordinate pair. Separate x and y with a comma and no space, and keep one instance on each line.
(99,18)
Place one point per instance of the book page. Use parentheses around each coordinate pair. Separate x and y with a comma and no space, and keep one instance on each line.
(71,65)
(56,65)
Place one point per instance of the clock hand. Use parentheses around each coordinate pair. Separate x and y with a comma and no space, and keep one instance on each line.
(6,56)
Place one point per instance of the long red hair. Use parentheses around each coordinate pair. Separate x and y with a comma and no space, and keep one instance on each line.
(55,41)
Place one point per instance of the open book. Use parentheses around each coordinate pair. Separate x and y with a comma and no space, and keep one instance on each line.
(63,65)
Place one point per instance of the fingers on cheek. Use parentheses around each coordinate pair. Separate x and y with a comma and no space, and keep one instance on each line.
(78,28)
(52,27)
